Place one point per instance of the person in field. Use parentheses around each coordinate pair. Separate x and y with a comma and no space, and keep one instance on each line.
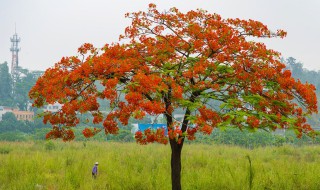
(95,170)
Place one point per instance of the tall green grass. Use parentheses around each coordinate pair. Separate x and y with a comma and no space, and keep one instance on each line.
(58,165)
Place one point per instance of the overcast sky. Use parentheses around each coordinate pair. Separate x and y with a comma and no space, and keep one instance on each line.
(51,29)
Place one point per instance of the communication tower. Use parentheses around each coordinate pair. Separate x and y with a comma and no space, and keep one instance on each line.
(15,58)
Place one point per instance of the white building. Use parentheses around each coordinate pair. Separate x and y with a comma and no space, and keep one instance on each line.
(52,107)
(1,112)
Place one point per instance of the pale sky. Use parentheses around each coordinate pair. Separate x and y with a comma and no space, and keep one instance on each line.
(51,29)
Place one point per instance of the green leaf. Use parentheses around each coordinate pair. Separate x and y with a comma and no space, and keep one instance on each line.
(278,103)
(224,69)
(149,59)
(253,99)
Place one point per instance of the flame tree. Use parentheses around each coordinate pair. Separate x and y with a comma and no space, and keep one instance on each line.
(207,66)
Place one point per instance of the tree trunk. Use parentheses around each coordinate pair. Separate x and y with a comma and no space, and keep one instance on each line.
(175,164)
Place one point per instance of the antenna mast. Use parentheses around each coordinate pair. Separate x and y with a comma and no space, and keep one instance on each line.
(15,58)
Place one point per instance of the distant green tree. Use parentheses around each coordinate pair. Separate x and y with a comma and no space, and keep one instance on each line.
(9,116)
(9,122)
(302,74)
(305,75)
(295,67)
(22,88)
(5,85)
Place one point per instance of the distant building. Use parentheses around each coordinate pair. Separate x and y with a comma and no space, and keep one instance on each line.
(52,107)
(20,115)
(23,115)
(37,74)
(1,112)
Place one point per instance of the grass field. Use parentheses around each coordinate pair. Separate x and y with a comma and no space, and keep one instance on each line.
(58,165)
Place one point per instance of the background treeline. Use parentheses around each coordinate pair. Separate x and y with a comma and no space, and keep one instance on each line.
(16,96)
(13,130)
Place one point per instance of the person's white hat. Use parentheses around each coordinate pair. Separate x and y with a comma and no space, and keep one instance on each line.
(97,163)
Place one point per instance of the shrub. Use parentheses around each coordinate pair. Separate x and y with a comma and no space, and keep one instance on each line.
(50,145)
(4,150)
